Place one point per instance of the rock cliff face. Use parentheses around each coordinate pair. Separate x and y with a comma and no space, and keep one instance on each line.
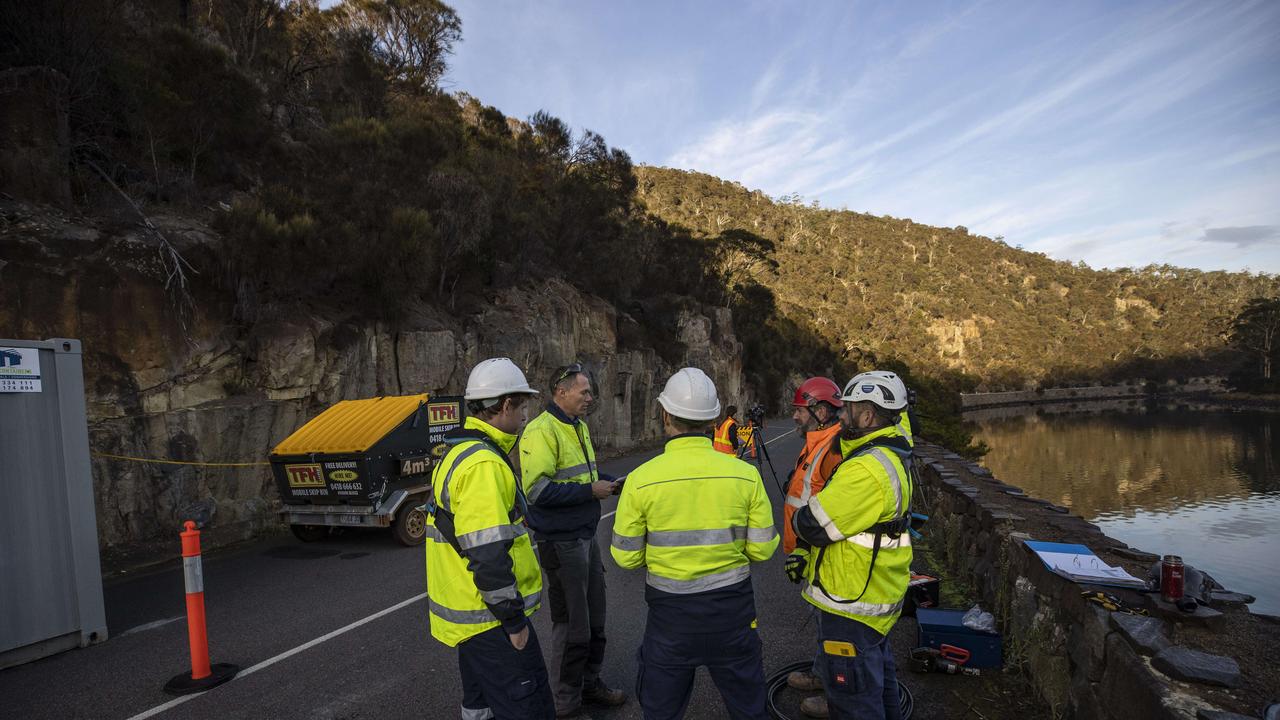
(226,391)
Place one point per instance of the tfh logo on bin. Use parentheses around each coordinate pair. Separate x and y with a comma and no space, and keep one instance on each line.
(442,413)
(304,476)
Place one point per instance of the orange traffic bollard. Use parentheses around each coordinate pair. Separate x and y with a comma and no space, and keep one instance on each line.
(203,675)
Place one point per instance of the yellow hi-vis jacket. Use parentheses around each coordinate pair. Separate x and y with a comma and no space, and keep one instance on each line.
(557,467)
(694,517)
(905,429)
(481,569)
(872,486)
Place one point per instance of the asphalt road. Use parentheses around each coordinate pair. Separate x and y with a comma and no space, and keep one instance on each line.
(338,629)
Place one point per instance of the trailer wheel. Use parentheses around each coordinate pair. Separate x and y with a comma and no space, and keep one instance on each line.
(410,526)
(309,533)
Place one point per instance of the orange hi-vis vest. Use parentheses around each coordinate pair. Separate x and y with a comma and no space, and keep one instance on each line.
(722,440)
(814,467)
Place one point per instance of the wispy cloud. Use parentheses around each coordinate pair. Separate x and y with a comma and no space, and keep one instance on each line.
(1249,155)
(1242,236)
(1121,134)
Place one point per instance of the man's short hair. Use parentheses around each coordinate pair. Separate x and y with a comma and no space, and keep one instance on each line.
(690,426)
(479,408)
(564,375)
(731,411)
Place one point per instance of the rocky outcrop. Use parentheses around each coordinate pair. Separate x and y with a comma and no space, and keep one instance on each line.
(224,391)
(955,341)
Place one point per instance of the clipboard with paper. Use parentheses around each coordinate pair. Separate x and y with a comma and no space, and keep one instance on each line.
(1077,563)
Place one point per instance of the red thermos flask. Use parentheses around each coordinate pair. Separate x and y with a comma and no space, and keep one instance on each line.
(1171,578)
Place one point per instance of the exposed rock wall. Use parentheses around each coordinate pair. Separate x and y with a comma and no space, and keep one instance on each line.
(227,392)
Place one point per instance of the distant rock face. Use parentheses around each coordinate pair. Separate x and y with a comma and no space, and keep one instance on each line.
(229,393)
(954,340)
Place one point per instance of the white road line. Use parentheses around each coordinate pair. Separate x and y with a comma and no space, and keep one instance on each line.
(308,645)
(151,626)
(287,654)
(770,442)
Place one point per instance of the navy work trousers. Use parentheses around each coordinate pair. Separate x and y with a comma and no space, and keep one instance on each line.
(501,682)
(668,660)
(864,686)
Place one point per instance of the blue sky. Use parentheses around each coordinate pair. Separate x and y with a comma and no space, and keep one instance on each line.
(1119,133)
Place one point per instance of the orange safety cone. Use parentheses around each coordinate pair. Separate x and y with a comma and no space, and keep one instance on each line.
(203,675)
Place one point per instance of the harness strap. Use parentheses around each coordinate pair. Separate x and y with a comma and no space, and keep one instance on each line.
(894,527)
(443,512)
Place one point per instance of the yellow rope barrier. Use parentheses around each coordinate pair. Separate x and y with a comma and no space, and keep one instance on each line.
(175,462)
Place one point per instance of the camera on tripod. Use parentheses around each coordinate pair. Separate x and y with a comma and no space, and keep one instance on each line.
(753,446)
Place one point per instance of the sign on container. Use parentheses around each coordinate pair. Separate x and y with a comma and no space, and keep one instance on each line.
(19,369)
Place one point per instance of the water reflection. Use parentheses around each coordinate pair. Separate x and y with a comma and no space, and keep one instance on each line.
(1201,483)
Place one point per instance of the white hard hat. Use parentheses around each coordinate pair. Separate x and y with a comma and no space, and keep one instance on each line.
(690,395)
(880,387)
(494,378)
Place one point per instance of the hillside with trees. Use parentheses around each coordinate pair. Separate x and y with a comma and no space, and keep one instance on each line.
(1255,332)
(943,299)
(343,181)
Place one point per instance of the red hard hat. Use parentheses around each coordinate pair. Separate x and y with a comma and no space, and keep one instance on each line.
(817,389)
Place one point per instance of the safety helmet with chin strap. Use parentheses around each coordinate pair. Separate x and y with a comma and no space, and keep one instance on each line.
(816,390)
(879,387)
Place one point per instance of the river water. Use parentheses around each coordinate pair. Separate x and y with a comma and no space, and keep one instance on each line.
(1203,484)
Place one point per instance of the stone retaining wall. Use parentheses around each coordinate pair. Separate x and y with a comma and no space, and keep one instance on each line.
(1132,389)
(1087,662)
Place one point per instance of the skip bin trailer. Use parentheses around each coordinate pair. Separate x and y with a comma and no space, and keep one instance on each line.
(364,463)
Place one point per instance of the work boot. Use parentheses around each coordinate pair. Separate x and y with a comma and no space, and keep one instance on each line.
(815,706)
(601,694)
(804,681)
(574,713)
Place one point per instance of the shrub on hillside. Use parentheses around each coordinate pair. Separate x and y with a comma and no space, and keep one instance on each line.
(192,110)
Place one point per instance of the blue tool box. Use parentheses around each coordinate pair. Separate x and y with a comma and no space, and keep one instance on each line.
(944,627)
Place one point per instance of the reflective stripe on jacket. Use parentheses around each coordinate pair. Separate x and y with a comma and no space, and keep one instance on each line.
(725,439)
(481,569)
(694,518)
(557,467)
(871,486)
(815,465)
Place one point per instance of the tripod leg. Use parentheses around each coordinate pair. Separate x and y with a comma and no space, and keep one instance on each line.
(762,456)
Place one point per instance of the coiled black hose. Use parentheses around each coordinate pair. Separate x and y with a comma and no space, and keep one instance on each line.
(776,682)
